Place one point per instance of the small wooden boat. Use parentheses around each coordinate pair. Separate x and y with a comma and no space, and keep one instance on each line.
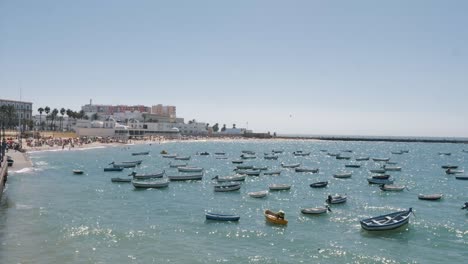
(381,176)
(333,154)
(192,177)
(337,199)
(114,169)
(277,151)
(182,158)
(140,153)
(147,176)
(121,179)
(352,165)
(343,175)
(377,170)
(259,194)
(380,159)
(397,152)
(293,165)
(339,157)
(386,222)
(316,210)
(449,167)
(272,172)
(390,163)
(220,153)
(320,184)
(379,181)
(177,165)
(279,187)
(430,197)
(229,178)
(391,168)
(392,188)
(249,152)
(204,153)
(249,172)
(78,172)
(445,153)
(237,161)
(275,218)
(461,177)
(347,150)
(138,162)
(362,158)
(304,169)
(169,156)
(244,156)
(270,157)
(227,188)
(452,171)
(221,158)
(150,184)
(244,167)
(301,154)
(189,169)
(124,165)
(221,217)
(260,168)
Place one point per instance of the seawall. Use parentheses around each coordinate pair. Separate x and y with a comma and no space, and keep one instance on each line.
(381,139)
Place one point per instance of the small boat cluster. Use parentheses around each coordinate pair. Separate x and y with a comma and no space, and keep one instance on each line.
(379,176)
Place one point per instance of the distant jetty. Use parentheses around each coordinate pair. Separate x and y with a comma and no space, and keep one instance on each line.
(381,139)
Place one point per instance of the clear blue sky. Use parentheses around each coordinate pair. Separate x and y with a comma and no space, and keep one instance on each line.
(313,67)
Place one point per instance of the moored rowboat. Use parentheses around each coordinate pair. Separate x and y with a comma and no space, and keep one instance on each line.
(430,197)
(275,218)
(121,180)
(193,177)
(386,222)
(259,194)
(227,188)
(279,187)
(150,184)
(316,210)
(221,217)
(319,184)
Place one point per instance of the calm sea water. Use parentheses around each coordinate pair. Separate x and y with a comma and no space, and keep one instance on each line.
(49,215)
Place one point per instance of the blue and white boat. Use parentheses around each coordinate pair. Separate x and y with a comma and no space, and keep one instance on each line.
(221,217)
(386,222)
(379,181)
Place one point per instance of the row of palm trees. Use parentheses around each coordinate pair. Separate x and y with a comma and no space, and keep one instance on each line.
(53,117)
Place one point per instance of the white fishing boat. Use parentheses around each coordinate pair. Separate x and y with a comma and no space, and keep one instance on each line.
(278,172)
(430,197)
(392,188)
(337,199)
(182,158)
(293,165)
(259,194)
(189,169)
(279,187)
(229,178)
(150,184)
(380,159)
(316,210)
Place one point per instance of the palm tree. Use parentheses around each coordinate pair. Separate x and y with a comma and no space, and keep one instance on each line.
(224,128)
(95,116)
(216,127)
(234,126)
(62,112)
(53,115)
(40,110)
(81,114)
(47,111)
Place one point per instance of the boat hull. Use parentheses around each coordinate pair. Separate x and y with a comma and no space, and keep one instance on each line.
(221,217)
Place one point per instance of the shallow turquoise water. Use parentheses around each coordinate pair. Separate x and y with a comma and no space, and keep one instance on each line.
(49,215)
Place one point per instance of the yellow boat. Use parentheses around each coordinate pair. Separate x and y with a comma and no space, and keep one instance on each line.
(275,218)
